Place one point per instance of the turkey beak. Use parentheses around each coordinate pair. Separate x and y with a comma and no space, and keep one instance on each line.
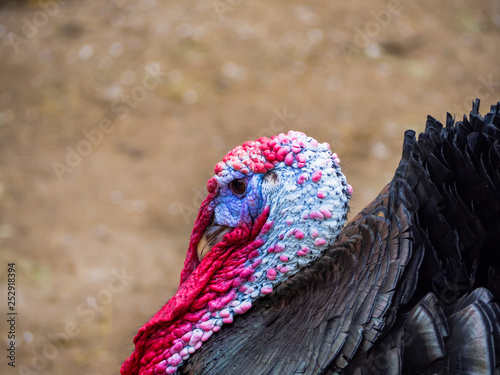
(213,235)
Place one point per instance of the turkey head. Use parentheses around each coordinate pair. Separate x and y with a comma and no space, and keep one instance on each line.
(273,206)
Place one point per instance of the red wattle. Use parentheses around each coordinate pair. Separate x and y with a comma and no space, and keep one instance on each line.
(212,275)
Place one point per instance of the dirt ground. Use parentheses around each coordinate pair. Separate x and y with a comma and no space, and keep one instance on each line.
(113,115)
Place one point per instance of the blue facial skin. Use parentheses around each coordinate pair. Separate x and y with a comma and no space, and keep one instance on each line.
(232,208)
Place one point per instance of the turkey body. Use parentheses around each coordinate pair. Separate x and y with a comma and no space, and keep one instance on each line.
(411,286)
(274,283)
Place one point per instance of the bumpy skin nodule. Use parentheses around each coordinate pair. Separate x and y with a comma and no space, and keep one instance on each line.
(294,204)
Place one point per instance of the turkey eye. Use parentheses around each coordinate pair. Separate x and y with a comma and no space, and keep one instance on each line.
(238,187)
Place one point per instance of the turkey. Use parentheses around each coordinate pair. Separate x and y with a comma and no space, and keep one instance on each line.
(274,283)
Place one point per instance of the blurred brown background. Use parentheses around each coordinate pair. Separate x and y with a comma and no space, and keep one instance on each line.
(113,115)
